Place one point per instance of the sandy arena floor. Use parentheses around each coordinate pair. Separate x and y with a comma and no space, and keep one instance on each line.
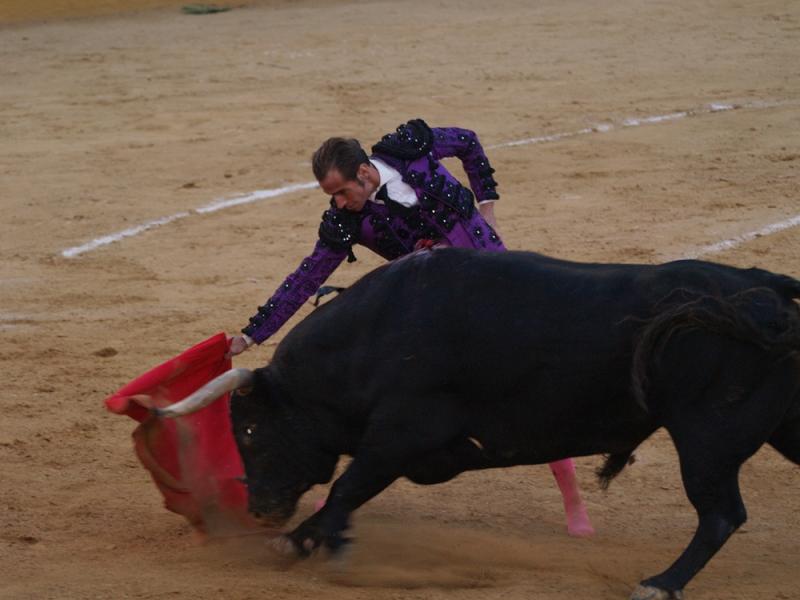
(110,122)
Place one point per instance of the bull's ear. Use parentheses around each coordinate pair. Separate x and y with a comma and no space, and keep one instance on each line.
(227,382)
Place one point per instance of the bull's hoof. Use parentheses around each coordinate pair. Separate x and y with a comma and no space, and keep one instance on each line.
(648,592)
(285,546)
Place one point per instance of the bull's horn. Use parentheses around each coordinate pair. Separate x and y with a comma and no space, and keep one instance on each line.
(228,381)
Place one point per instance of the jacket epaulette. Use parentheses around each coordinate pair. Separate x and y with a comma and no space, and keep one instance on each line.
(340,229)
(411,141)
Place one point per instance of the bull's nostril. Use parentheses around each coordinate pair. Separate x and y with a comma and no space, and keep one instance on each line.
(256,514)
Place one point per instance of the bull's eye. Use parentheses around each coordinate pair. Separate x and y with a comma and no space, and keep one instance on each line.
(250,429)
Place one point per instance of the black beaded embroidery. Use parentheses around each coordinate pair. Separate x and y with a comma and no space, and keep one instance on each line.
(340,229)
(410,141)
(397,232)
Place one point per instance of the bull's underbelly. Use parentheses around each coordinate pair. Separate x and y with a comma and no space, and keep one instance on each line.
(485,451)
(557,445)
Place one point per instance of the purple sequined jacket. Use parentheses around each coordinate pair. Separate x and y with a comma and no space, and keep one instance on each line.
(446,212)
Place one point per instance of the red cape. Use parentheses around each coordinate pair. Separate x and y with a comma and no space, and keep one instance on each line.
(193,460)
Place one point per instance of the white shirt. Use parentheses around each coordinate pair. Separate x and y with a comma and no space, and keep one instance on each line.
(397,189)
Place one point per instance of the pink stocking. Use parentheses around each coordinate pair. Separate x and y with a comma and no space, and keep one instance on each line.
(578,523)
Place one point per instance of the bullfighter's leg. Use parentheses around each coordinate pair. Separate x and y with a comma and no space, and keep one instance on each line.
(389,445)
(578,523)
(464,455)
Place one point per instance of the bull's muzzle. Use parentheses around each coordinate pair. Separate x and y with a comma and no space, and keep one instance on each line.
(271,512)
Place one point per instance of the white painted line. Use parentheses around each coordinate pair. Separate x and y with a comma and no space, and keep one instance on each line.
(256,196)
(713,107)
(115,237)
(541,139)
(744,238)
(718,107)
(208,208)
(655,119)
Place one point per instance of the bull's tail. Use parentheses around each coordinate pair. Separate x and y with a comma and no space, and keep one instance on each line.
(763,316)
(612,466)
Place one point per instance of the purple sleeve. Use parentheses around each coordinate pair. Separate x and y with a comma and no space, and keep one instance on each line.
(474,233)
(464,145)
(294,291)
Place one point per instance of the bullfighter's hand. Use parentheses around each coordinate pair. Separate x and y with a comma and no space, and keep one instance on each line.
(238,344)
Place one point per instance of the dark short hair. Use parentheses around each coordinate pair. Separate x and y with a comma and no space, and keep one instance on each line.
(343,154)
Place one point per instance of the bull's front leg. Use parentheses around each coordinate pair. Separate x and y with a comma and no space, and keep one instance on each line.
(363,479)
(394,440)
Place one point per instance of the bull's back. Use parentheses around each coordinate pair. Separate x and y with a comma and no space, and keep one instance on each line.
(492,326)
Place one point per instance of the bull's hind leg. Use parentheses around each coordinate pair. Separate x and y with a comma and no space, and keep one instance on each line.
(714,436)
(714,492)
(786,439)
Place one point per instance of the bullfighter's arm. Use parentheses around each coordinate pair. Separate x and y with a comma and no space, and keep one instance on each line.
(464,145)
(294,291)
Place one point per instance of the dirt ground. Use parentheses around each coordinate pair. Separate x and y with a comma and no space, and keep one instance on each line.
(114,121)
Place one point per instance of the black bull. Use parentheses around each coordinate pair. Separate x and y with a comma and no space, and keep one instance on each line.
(453,360)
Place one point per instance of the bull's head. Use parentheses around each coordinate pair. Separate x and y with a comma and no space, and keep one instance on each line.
(282,455)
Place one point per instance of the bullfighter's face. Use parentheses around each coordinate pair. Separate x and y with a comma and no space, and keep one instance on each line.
(280,463)
(351,194)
